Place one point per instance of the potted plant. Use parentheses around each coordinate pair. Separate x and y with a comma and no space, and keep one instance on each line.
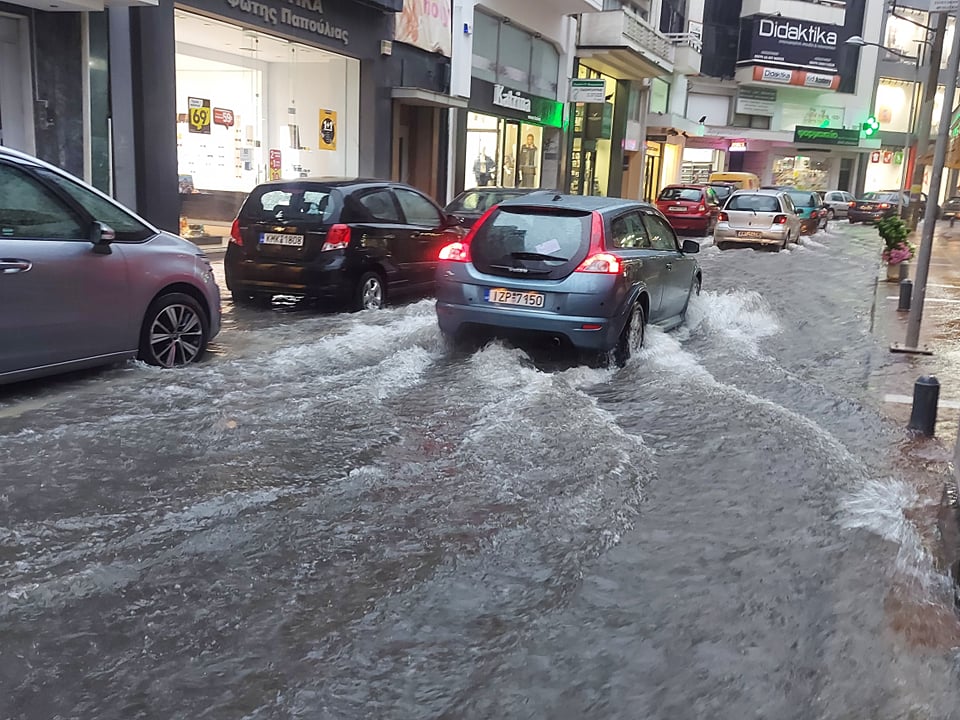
(897,248)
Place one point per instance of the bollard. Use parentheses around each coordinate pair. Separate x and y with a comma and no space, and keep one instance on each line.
(904,271)
(906,292)
(926,394)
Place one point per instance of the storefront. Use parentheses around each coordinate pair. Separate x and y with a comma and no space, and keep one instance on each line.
(886,169)
(260,92)
(511,138)
(593,154)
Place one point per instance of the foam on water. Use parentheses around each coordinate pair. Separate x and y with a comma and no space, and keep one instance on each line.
(741,316)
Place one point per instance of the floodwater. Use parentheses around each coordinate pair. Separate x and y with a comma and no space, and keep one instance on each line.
(335,517)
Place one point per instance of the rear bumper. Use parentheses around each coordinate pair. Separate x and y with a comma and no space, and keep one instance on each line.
(868,215)
(726,234)
(327,278)
(686,222)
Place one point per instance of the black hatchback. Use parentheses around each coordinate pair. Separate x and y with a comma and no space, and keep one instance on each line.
(356,242)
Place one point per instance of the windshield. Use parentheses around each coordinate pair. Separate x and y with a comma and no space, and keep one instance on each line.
(479,201)
(294,205)
(758,203)
(686,194)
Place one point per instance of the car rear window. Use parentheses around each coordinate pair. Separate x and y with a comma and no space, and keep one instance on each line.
(688,194)
(549,243)
(295,205)
(803,199)
(758,203)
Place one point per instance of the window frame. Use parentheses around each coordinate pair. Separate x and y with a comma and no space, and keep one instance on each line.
(433,206)
(653,216)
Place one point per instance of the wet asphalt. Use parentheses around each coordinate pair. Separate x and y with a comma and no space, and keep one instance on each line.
(334,516)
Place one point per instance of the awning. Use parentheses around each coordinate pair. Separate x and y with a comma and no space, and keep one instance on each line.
(428,98)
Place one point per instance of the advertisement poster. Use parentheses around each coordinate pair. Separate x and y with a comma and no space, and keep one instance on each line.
(328,130)
(275,164)
(425,24)
(198,115)
(222,116)
(789,42)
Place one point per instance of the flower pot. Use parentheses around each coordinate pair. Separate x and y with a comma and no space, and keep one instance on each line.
(893,273)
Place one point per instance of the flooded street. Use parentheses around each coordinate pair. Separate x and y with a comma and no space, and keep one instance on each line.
(334,516)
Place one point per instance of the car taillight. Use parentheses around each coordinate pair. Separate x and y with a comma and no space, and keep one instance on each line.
(701,208)
(338,237)
(459,250)
(597,260)
(723,217)
(235,237)
(851,203)
(780,220)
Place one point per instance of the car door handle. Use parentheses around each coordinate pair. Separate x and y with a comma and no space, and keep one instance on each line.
(8,266)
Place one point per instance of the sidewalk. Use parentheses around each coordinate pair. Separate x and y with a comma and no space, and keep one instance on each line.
(940,333)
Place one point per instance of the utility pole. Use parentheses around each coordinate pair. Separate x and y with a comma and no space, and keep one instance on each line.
(925,119)
(936,176)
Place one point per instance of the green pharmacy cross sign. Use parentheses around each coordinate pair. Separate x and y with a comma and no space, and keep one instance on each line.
(826,136)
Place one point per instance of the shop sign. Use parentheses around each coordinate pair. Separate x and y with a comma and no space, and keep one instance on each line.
(491,99)
(222,116)
(738,146)
(789,42)
(800,78)
(588,91)
(198,115)
(875,156)
(947,6)
(826,136)
(328,130)
(898,157)
(887,157)
(311,19)
(756,101)
(425,24)
(275,164)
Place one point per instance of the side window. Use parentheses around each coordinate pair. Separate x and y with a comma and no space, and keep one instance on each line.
(378,206)
(123,223)
(627,231)
(661,235)
(30,210)
(417,209)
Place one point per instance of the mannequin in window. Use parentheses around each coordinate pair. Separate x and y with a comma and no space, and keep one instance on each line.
(528,163)
(483,168)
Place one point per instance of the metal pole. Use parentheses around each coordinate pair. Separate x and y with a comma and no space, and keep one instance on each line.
(936,176)
(926,118)
(911,131)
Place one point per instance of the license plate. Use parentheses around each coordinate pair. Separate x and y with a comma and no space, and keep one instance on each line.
(867,207)
(677,208)
(281,239)
(503,296)
(749,234)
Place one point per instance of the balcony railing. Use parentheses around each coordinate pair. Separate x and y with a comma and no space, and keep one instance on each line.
(687,39)
(641,32)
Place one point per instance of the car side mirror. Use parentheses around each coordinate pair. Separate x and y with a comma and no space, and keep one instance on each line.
(101,235)
(690,247)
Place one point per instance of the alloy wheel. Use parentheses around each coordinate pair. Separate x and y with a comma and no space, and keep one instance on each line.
(372,294)
(176,335)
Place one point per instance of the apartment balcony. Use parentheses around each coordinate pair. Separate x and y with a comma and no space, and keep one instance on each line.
(622,45)
(688,52)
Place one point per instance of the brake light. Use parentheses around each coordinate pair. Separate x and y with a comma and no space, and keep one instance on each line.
(459,250)
(597,260)
(723,217)
(235,237)
(851,203)
(701,208)
(780,220)
(338,237)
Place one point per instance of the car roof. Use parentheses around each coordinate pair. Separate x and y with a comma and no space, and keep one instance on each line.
(761,191)
(697,186)
(583,203)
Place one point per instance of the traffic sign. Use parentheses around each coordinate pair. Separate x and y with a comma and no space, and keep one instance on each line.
(588,91)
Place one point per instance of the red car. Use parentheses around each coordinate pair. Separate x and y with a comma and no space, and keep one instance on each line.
(690,208)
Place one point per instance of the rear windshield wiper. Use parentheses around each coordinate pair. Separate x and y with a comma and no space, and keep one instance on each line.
(536,256)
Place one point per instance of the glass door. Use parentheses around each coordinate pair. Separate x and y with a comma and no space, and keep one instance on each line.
(508,153)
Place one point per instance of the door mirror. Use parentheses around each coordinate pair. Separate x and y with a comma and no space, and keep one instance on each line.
(101,235)
(690,247)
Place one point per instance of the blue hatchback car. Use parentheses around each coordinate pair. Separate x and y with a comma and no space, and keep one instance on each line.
(589,272)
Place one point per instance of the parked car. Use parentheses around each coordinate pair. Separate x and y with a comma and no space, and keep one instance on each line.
(723,190)
(757,218)
(590,272)
(810,210)
(468,207)
(85,282)
(358,242)
(874,206)
(837,202)
(689,208)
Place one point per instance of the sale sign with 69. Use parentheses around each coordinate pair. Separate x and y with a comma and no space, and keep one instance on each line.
(198,115)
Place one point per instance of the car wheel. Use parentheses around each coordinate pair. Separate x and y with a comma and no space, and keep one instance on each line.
(175,331)
(631,337)
(831,214)
(695,288)
(371,292)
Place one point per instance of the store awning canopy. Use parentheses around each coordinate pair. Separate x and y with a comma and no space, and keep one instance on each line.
(428,98)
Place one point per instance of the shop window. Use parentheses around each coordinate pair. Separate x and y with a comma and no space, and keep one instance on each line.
(757,122)
(904,29)
(659,96)
(671,16)
(514,57)
(486,39)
